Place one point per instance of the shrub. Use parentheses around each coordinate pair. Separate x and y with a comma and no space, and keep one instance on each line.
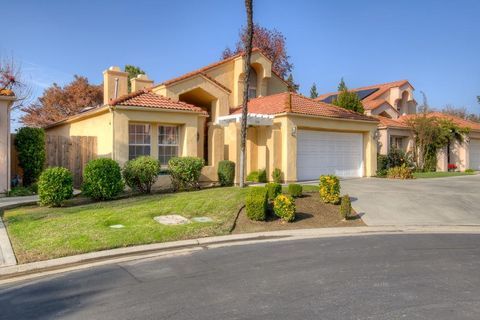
(256,204)
(54,186)
(21,191)
(295,190)
(382,165)
(226,172)
(141,173)
(273,190)
(469,171)
(277,175)
(30,145)
(330,189)
(252,176)
(102,179)
(400,173)
(262,175)
(257,176)
(345,207)
(185,172)
(284,207)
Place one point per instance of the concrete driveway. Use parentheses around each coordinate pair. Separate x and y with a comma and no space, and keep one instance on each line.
(436,201)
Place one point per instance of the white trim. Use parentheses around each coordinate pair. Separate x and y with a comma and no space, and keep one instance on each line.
(253,119)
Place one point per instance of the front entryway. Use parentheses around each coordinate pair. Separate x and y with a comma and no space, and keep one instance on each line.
(326,152)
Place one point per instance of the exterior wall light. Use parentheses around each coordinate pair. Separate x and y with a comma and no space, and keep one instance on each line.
(294,131)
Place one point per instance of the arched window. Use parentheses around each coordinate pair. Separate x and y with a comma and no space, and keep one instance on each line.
(252,84)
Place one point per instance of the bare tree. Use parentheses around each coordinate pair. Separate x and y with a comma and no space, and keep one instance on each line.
(12,82)
(248,55)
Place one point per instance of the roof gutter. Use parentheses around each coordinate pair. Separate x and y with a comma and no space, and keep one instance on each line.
(132,108)
(283,114)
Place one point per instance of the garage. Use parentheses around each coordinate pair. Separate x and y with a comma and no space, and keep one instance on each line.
(475,154)
(326,152)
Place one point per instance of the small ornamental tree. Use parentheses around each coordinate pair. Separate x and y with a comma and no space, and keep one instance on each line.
(348,99)
(30,145)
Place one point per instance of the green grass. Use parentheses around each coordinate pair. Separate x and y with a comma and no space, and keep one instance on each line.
(421,175)
(39,233)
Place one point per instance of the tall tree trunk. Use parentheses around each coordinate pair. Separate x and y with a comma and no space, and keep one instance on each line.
(246,72)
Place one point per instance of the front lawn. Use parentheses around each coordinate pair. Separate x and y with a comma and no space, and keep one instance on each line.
(39,233)
(421,175)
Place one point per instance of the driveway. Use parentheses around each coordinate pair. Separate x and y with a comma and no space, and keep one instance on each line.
(436,201)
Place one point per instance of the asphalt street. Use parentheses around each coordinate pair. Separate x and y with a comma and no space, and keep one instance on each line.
(428,276)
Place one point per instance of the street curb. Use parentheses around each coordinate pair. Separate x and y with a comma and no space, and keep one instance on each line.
(82,261)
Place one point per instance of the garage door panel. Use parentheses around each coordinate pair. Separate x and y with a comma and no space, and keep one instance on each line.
(475,154)
(320,152)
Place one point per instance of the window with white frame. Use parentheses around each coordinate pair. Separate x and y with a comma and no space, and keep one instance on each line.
(138,140)
(167,143)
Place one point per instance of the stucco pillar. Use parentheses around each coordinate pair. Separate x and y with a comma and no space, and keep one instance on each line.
(289,150)
(370,157)
(5,143)
(216,146)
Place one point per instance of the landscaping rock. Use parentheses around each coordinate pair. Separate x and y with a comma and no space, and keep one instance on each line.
(172,219)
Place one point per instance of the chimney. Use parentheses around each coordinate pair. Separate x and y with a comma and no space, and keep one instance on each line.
(114,84)
(140,82)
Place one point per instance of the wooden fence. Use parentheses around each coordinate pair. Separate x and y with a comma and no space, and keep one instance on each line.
(72,153)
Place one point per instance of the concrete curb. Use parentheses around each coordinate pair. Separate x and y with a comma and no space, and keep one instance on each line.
(82,261)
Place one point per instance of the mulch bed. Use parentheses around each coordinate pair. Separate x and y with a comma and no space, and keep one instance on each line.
(311,213)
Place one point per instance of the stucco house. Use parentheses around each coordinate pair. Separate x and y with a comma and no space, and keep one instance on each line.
(197,114)
(6,100)
(392,104)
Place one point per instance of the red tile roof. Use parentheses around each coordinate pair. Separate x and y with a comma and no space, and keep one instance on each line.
(371,102)
(202,71)
(146,98)
(402,121)
(298,104)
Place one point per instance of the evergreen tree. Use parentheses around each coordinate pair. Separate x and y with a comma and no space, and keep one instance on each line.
(342,86)
(292,86)
(132,71)
(313,91)
(348,99)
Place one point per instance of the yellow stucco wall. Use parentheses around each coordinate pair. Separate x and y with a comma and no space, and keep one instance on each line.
(5,143)
(95,125)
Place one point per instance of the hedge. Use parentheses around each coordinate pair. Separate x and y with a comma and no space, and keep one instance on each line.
(185,172)
(226,172)
(30,146)
(256,204)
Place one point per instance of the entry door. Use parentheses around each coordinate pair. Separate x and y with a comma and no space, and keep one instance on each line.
(325,152)
(474,154)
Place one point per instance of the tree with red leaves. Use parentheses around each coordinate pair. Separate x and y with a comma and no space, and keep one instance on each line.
(58,102)
(11,82)
(272,43)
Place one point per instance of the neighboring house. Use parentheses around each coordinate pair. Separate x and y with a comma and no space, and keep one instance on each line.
(197,114)
(6,99)
(392,104)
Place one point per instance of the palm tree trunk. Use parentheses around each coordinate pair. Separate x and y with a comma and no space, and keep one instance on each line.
(248,54)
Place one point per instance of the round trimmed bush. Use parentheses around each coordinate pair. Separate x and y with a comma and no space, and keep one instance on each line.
(185,172)
(284,207)
(102,179)
(141,173)
(54,186)
(226,172)
(295,190)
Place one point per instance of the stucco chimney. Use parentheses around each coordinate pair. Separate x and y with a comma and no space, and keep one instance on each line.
(140,82)
(110,77)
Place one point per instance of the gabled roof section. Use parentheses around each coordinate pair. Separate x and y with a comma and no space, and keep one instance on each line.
(288,102)
(401,122)
(203,70)
(369,101)
(146,98)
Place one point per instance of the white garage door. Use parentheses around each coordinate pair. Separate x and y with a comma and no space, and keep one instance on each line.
(323,152)
(475,154)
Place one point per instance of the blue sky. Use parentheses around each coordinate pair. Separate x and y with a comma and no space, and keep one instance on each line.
(434,44)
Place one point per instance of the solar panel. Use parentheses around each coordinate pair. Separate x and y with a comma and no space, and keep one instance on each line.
(362,94)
